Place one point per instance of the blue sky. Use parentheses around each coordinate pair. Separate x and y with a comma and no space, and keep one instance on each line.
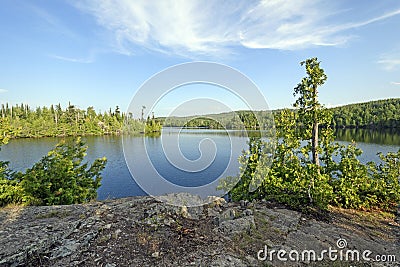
(98,53)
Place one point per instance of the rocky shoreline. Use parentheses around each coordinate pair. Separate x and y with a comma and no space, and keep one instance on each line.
(142,231)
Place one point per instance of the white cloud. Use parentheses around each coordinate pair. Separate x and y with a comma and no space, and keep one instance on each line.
(389,63)
(369,21)
(395,83)
(188,27)
(3,91)
(75,60)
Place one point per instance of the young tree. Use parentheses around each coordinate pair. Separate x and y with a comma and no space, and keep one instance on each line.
(6,131)
(308,104)
(309,108)
(60,177)
(143,108)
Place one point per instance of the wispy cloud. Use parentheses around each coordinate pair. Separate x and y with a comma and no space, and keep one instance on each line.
(212,27)
(395,83)
(74,60)
(389,63)
(369,21)
(53,22)
(3,91)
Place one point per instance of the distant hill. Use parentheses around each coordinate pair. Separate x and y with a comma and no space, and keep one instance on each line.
(377,114)
(372,114)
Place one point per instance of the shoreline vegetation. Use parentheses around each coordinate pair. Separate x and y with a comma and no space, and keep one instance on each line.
(21,121)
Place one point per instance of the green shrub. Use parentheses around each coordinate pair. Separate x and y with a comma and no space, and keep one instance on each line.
(352,183)
(349,184)
(61,178)
(58,178)
(385,185)
(370,186)
(11,191)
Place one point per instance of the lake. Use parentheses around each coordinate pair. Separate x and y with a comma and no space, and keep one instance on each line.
(193,158)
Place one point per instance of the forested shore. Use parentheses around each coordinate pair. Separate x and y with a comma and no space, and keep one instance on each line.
(379,114)
(21,121)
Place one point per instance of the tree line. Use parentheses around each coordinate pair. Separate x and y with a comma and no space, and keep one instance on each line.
(373,115)
(23,121)
(379,114)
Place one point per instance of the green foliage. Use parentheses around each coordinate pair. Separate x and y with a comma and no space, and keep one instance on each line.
(203,122)
(11,191)
(61,178)
(389,173)
(378,114)
(240,186)
(58,178)
(249,120)
(385,182)
(310,110)
(286,179)
(345,182)
(307,102)
(368,186)
(294,177)
(243,119)
(352,184)
(22,121)
(152,126)
(5,131)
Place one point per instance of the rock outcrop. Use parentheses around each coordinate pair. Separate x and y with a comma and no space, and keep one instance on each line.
(142,231)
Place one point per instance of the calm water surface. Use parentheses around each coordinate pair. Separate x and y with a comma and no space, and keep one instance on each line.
(211,145)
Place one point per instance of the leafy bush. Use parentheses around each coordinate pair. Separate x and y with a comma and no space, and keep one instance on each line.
(249,161)
(58,178)
(370,186)
(352,184)
(61,178)
(384,179)
(11,191)
(286,180)
(348,183)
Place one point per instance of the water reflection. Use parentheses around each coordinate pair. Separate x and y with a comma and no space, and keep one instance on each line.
(381,137)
